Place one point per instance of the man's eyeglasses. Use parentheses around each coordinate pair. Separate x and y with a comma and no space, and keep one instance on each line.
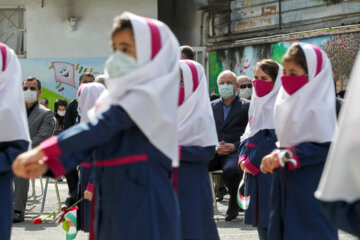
(31,88)
(242,86)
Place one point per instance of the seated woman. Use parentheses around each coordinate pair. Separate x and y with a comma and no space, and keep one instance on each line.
(59,112)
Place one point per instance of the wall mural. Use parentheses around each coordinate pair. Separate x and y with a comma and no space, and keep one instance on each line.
(341,49)
(60,77)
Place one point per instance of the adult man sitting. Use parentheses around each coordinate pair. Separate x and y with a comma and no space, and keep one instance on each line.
(231,117)
(41,125)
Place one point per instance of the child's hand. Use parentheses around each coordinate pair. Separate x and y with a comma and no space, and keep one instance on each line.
(270,162)
(244,168)
(88,195)
(29,164)
(36,169)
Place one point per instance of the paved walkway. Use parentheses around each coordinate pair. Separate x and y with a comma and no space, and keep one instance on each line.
(50,231)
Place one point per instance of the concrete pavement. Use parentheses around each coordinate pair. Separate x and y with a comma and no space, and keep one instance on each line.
(51,231)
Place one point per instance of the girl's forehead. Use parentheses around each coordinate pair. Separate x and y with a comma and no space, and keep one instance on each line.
(291,64)
(125,34)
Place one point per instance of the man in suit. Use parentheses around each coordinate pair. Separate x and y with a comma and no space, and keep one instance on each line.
(231,118)
(41,125)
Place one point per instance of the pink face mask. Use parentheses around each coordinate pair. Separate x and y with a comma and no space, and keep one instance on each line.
(181,95)
(262,88)
(293,83)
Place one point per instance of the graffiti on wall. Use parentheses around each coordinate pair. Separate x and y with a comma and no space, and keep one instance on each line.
(60,77)
(341,50)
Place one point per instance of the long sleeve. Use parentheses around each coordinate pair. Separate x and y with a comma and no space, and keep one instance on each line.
(88,135)
(253,149)
(243,152)
(46,129)
(265,146)
(82,138)
(197,154)
(59,165)
(344,215)
(9,151)
(309,153)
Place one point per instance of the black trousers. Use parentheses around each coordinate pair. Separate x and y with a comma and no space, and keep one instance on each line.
(231,175)
(72,179)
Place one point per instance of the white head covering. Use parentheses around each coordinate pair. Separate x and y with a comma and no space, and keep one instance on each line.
(309,114)
(261,110)
(87,95)
(340,180)
(150,93)
(196,124)
(13,119)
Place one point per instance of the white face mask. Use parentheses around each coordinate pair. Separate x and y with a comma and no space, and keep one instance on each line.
(30,96)
(120,64)
(226,90)
(61,113)
(245,93)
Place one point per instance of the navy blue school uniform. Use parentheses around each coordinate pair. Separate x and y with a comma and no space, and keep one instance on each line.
(344,215)
(194,193)
(134,196)
(86,182)
(295,213)
(8,152)
(252,150)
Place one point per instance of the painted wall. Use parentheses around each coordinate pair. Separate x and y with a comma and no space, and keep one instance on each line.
(250,15)
(48,34)
(55,54)
(341,49)
(259,18)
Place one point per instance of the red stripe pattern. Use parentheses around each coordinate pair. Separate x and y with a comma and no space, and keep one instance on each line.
(86,165)
(122,160)
(250,145)
(295,157)
(155,37)
(319,59)
(194,73)
(254,170)
(55,165)
(79,90)
(4,55)
(90,187)
(51,147)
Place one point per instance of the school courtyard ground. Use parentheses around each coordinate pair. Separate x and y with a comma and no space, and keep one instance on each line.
(51,231)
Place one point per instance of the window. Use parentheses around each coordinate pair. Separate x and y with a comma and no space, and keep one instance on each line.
(200,55)
(12,28)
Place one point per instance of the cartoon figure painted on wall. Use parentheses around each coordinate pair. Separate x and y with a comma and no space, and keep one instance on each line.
(60,77)
(64,73)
